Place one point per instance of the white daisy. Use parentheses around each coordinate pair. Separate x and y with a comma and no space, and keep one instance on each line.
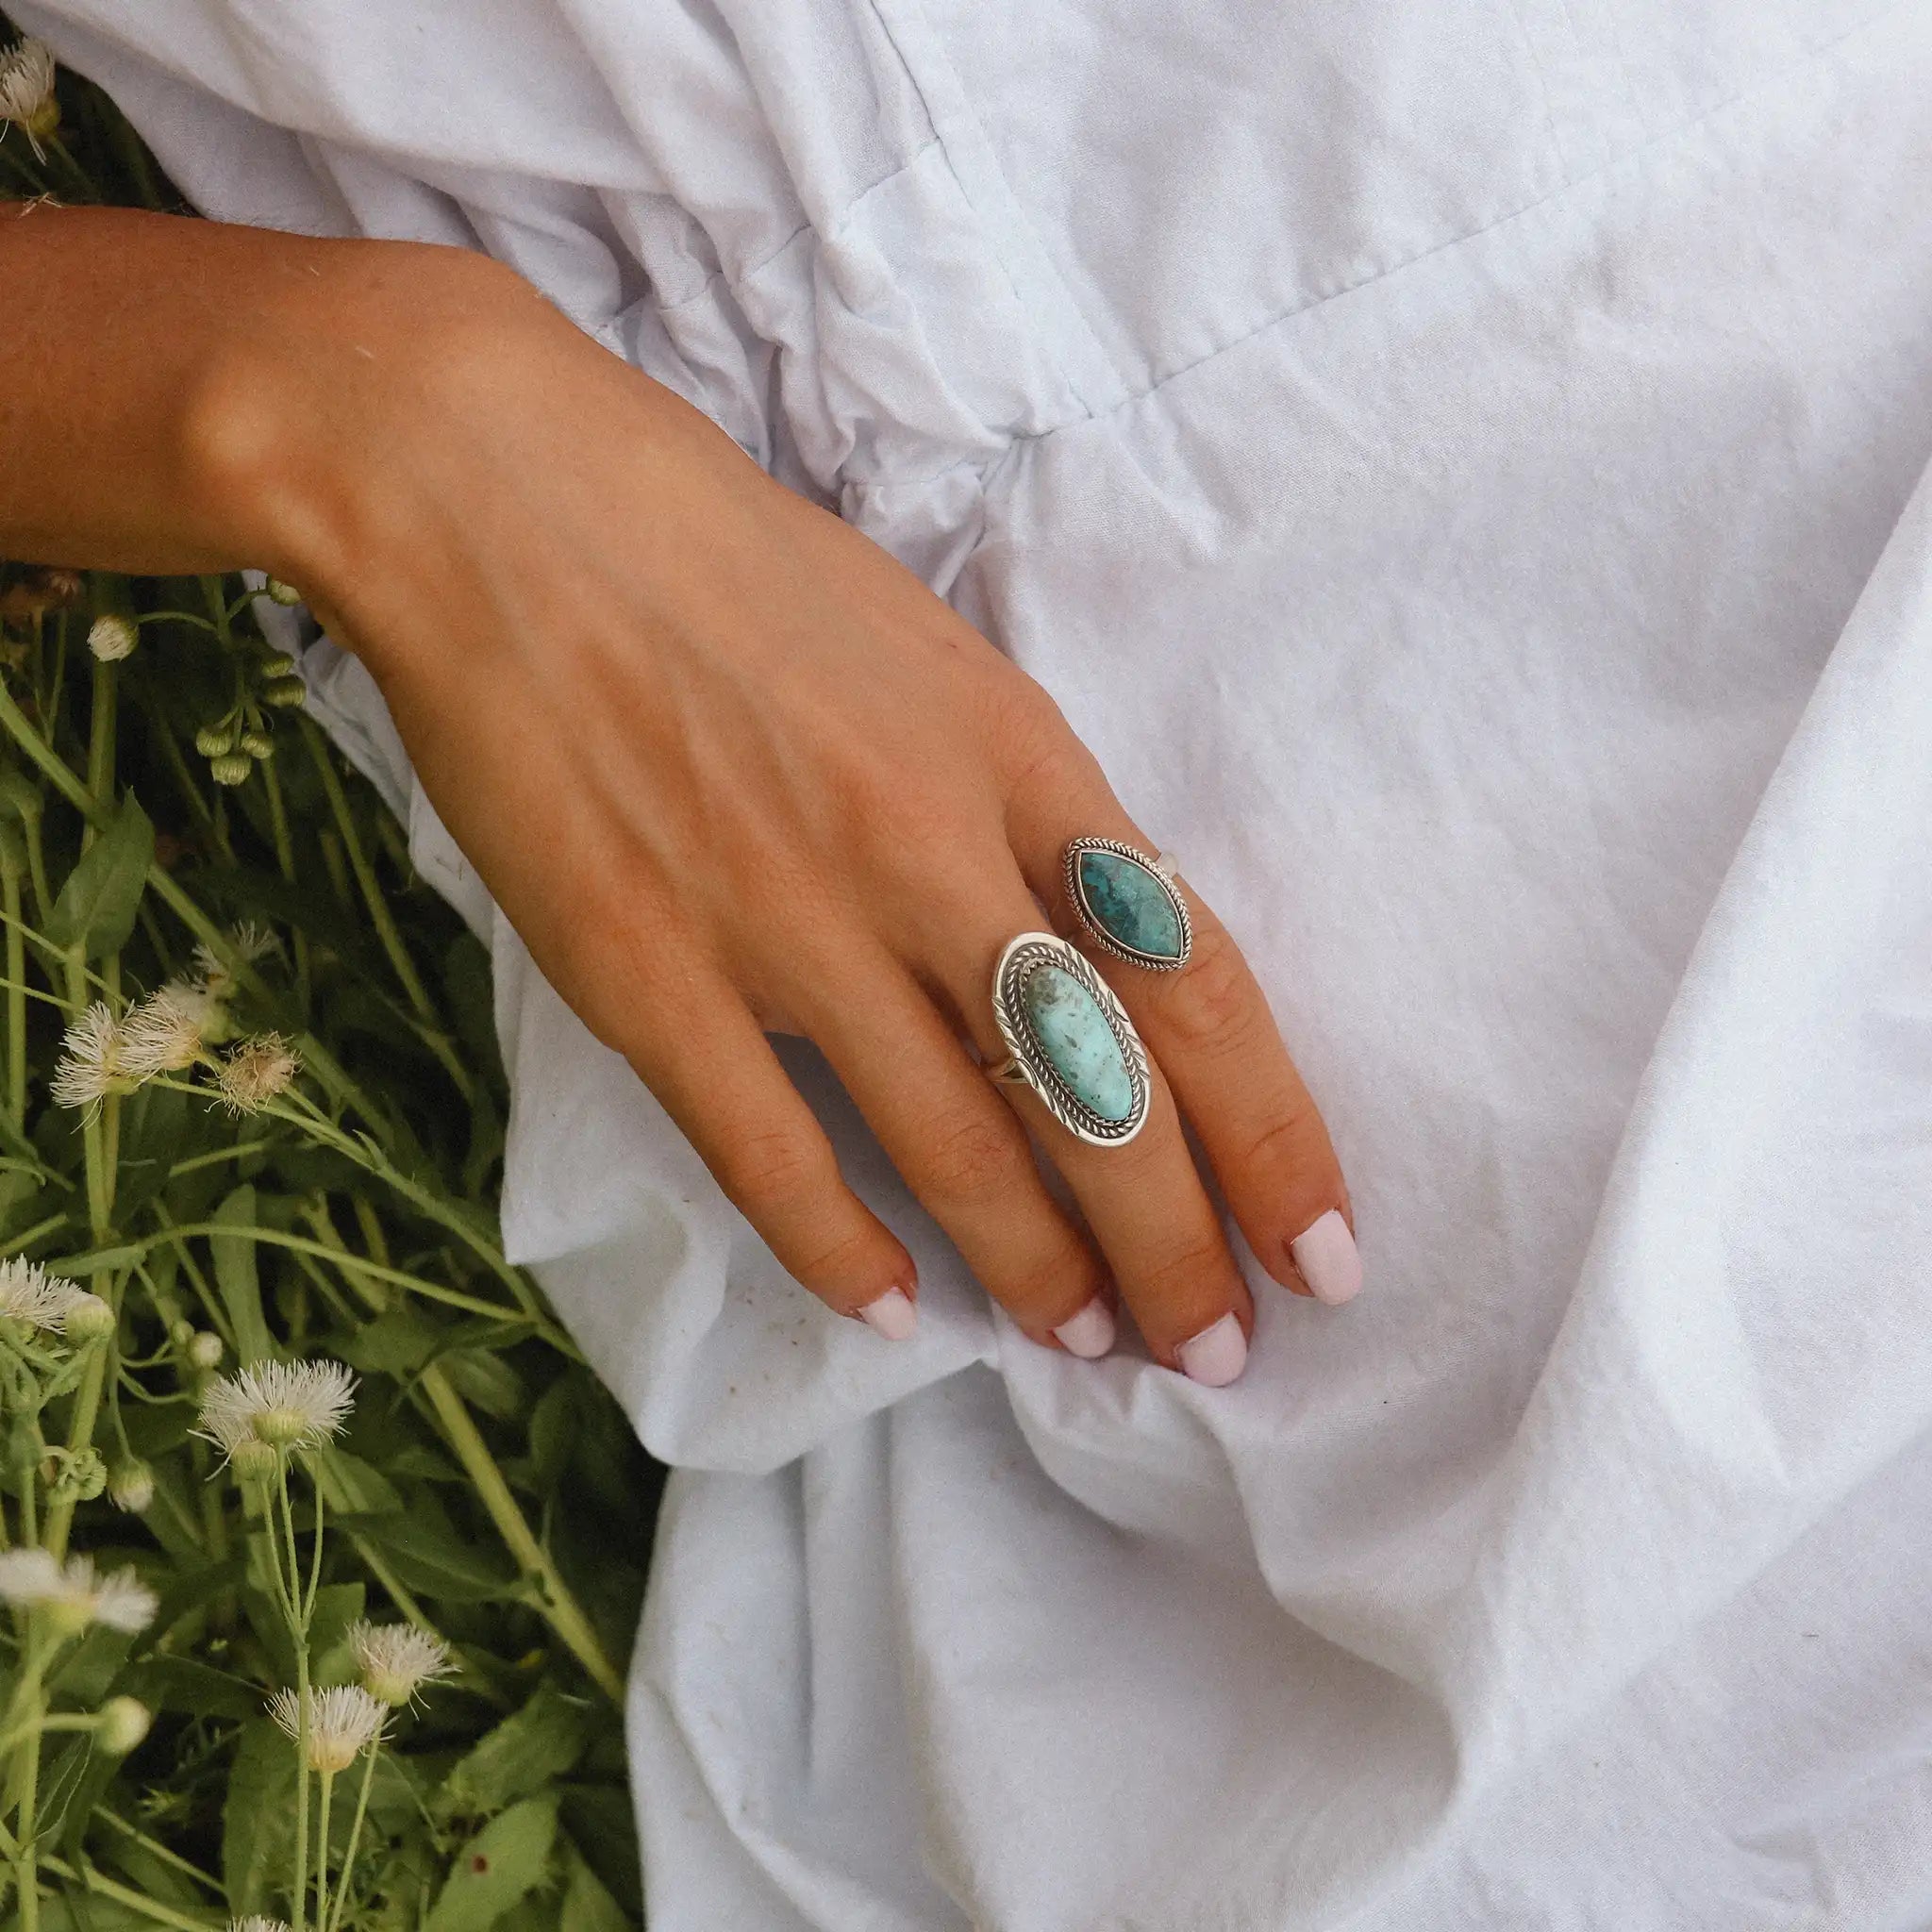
(26,91)
(256,1073)
(163,1034)
(112,637)
(28,1293)
(90,1064)
(397,1659)
(74,1591)
(286,1404)
(343,1723)
(250,942)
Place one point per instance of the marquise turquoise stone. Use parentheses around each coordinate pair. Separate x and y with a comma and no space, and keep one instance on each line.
(1072,1031)
(1129,902)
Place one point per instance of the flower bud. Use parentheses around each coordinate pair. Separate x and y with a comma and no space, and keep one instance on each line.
(284,693)
(121,1725)
(132,1486)
(279,592)
(181,1331)
(283,1427)
(231,768)
(277,664)
(211,741)
(205,1349)
(112,637)
(88,1319)
(26,91)
(82,1477)
(253,1462)
(258,744)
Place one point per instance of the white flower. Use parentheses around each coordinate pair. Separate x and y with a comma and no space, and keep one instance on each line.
(91,1060)
(132,1487)
(87,1318)
(112,637)
(28,1293)
(205,1349)
(343,1723)
(121,1724)
(397,1659)
(256,1073)
(26,91)
(286,1404)
(256,1923)
(73,1592)
(251,942)
(163,1034)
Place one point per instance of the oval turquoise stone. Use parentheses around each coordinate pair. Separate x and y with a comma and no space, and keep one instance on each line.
(1072,1031)
(1131,904)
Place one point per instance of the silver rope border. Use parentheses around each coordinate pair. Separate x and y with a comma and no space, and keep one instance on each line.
(1161,870)
(1024,956)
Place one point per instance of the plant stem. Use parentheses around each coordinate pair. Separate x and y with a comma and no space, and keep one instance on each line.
(561,1608)
(327,1781)
(434,1036)
(335,1918)
(124,1895)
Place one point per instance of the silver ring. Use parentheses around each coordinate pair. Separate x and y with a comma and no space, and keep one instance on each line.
(1130,903)
(1069,1038)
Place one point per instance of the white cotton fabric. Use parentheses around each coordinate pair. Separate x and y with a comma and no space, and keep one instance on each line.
(1456,465)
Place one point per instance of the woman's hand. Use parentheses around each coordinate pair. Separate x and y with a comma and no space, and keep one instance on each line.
(730,770)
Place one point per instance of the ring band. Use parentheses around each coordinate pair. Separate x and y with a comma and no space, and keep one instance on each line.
(1069,1038)
(1129,903)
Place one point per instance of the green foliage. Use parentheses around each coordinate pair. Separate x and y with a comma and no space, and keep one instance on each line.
(312,1178)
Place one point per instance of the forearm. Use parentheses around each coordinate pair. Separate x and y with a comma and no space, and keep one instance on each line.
(166,384)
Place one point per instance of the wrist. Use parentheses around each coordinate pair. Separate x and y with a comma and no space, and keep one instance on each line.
(296,430)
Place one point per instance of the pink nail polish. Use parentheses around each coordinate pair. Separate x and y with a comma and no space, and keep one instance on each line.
(892,1315)
(1088,1334)
(1216,1356)
(1327,1258)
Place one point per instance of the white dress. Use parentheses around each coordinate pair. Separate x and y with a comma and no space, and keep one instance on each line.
(1455,466)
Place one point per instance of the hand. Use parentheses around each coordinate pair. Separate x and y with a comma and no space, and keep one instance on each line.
(730,770)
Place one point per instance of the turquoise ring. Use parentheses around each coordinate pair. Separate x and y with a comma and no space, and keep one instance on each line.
(1069,1038)
(1129,903)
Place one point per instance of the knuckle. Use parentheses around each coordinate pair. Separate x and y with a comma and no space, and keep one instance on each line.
(775,1170)
(1283,1151)
(970,1160)
(833,1263)
(1050,1286)
(1193,1273)
(1035,743)
(1214,1008)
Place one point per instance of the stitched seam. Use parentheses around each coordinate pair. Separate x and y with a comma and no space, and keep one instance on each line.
(1685,133)
(736,278)
(1068,306)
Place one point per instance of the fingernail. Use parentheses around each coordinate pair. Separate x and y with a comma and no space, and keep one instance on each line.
(1217,1355)
(1088,1334)
(892,1315)
(1328,1260)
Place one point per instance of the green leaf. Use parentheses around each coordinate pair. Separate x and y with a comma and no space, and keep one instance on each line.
(97,904)
(235,1277)
(155,1133)
(180,1682)
(331,1656)
(403,1339)
(486,1382)
(503,1863)
(258,1820)
(350,1486)
(588,1906)
(527,1749)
